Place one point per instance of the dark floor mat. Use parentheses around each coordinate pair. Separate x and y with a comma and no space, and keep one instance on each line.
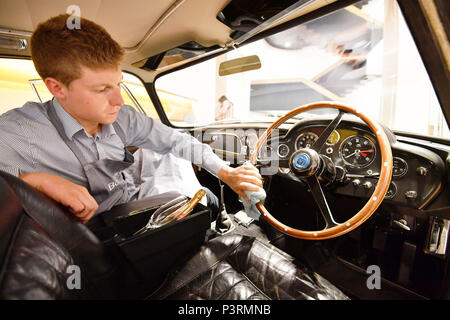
(353,281)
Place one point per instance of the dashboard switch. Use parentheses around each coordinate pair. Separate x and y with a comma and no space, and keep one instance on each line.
(402,223)
(422,171)
(356,182)
(410,195)
(341,174)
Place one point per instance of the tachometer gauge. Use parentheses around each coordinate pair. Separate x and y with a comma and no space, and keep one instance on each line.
(333,138)
(306,140)
(357,151)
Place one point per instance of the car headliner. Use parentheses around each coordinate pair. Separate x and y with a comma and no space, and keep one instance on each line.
(143,28)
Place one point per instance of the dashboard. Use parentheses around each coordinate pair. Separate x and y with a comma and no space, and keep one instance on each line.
(408,228)
(418,173)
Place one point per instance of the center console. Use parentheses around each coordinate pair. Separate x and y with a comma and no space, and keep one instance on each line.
(151,253)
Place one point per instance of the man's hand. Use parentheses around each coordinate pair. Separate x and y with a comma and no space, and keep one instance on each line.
(245,177)
(71,195)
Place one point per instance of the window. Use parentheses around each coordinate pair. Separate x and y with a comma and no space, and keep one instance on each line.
(15,88)
(362,55)
(20,83)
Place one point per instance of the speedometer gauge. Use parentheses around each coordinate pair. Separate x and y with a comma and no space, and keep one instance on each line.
(357,151)
(306,140)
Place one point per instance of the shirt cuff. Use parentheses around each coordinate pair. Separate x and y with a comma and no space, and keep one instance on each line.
(11,170)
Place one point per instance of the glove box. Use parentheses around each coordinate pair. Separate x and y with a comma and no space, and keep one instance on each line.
(154,251)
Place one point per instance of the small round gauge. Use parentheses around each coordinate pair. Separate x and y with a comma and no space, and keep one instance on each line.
(392,191)
(266,153)
(283,150)
(333,138)
(306,140)
(252,139)
(357,151)
(399,167)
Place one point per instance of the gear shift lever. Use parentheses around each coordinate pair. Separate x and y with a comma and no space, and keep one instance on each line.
(223,222)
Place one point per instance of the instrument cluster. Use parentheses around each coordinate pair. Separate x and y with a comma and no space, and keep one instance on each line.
(416,172)
(353,149)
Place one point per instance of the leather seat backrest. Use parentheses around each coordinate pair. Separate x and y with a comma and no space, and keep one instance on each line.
(35,227)
(33,266)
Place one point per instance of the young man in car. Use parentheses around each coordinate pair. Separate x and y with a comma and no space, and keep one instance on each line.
(73,148)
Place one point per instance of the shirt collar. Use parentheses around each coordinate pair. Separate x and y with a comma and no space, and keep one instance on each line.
(72,126)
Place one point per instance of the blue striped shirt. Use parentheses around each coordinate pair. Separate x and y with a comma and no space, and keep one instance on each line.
(30,143)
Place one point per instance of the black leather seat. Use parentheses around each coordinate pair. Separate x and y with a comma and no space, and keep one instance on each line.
(39,241)
(237,267)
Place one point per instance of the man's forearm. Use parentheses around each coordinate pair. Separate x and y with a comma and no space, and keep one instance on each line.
(77,198)
(35,179)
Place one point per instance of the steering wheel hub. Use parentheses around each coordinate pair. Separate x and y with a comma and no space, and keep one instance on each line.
(305,162)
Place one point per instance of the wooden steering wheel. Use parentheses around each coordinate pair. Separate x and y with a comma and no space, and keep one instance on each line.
(304,163)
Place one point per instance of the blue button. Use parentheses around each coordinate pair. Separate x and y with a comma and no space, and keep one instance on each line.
(301,161)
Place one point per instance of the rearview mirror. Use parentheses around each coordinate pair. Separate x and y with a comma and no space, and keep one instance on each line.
(239,65)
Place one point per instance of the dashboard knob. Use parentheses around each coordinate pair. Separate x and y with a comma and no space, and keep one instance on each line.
(422,171)
(356,182)
(411,195)
(367,184)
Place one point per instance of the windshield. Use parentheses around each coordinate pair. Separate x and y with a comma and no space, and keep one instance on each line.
(362,55)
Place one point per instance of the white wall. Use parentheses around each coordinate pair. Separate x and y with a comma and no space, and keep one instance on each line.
(197,83)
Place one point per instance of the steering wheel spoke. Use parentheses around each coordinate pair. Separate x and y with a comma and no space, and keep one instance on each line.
(317,146)
(321,201)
